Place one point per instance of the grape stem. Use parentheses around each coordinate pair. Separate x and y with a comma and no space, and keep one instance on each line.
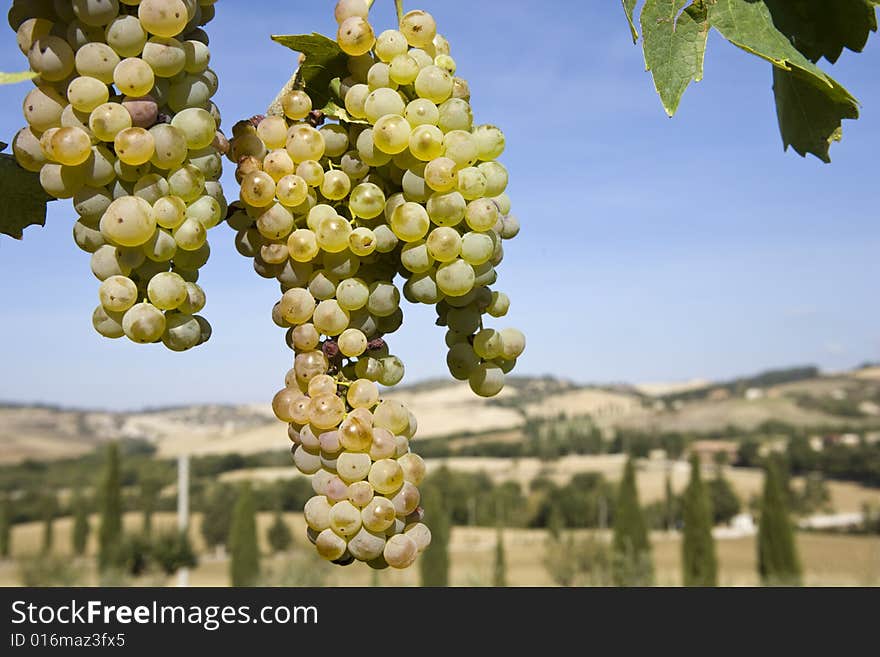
(398,4)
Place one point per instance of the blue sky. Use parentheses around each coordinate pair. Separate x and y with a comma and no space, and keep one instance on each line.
(651,249)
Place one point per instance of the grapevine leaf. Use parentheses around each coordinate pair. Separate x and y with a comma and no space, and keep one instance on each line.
(809,119)
(749,25)
(675,45)
(324,61)
(22,196)
(334,111)
(629,6)
(819,28)
(12,78)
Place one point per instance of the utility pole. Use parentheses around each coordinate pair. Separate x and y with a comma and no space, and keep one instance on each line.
(183,508)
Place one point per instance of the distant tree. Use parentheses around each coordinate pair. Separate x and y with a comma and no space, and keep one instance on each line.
(80,534)
(244,567)
(149,494)
(555,521)
(632,564)
(5,528)
(49,509)
(778,562)
(279,536)
(669,504)
(434,562)
(748,453)
(725,502)
(110,530)
(699,563)
(815,495)
(500,571)
(217,515)
(172,551)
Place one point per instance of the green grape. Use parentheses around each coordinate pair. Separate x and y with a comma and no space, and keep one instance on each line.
(383,102)
(384,445)
(70,146)
(117,294)
(352,294)
(367,151)
(366,545)
(476,248)
(455,278)
(310,171)
(386,240)
(27,151)
(335,140)
(126,36)
(462,361)
(316,512)
(488,344)
(446,63)
(291,191)
(170,147)
(197,125)
(169,211)
(98,170)
(190,91)
(422,57)
(414,188)
(406,500)
(400,551)
(326,411)
(422,112)
(422,288)
(440,174)
(341,265)
(386,477)
(419,28)
(461,148)
(322,286)
(352,467)
(333,233)
(275,223)
(165,55)
(384,299)
(187,182)
(471,183)
(87,237)
(305,143)
(392,415)
(513,343)
(403,69)
(195,300)
(455,114)
(368,368)
(509,227)
(191,235)
(105,263)
(151,188)
(51,57)
(355,36)
(164,18)
(392,371)
(95,12)
(167,290)
(487,380)
(258,189)
(206,210)
(305,461)
(143,323)
(302,245)
(390,44)
(297,306)
(209,162)
(198,56)
(161,247)
(446,209)
(182,332)
(363,393)
(296,105)
(335,185)
(31,30)
(378,515)
(426,142)
(379,77)
(367,201)
(108,120)
(410,222)
(444,244)
(97,60)
(42,108)
(355,100)
(496,178)
(133,77)
(420,534)
(434,84)
(128,221)
(134,146)
(107,324)
(330,318)
(85,93)
(481,215)
(490,142)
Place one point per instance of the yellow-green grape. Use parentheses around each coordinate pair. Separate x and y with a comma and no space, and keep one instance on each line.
(297,306)
(352,294)
(413,467)
(42,108)
(348,8)
(471,183)
(258,189)
(299,409)
(434,84)
(410,222)
(384,446)
(143,323)
(134,146)
(207,210)
(481,215)
(198,56)
(273,131)
(368,368)
(170,147)
(94,12)
(401,444)
(51,57)
(487,380)
(366,545)
(305,337)
(333,233)
(316,512)
(391,134)
(70,146)
(352,467)
(305,143)
(278,164)
(378,77)
(97,60)
(310,171)
(291,191)
(460,147)
(356,433)
(321,285)
(164,18)
(455,278)
(386,240)
(197,125)
(31,30)
(329,545)
(488,344)
(165,55)
(98,170)
(108,120)
(355,36)
(400,551)
(476,248)
(446,209)
(383,102)
(126,36)
(496,177)
(390,44)
(195,299)
(403,69)
(391,415)
(27,150)
(335,185)
(426,142)
(513,343)
(191,235)
(440,174)
(418,28)
(305,461)
(117,294)
(420,534)
(422,112)
(384,299)
(392,371)
(151,188)
(326,411)
(345,518)
(367,201)
(302,246)
(455,114)
(167,290)
(182,332)
(490,142)
(352,343)
(187,182)
(445,62)
(355,99)
(363,394)
(330,318)
(378,515)
(106,262)
(406,500)
(133,77)
(129,221)
(85,93)
(109,325)
(509,227)
(296,105)
(362,241)
(444,244)
(275,223)
(323,384)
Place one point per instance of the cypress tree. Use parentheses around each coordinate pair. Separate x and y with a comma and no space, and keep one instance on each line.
(632,564)
(500,571)
(669,504)
(150,487)
(217,515)
(49,504)
(244,567)
(110,529)
(278,535)
(80,536)
(778,562)
(699,564)
(434,562)
(5,528)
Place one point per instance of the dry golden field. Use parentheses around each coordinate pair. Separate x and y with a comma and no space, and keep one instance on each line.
(829,560)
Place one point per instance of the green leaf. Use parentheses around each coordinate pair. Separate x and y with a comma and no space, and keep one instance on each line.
(675,45)
(629,6)
(12,78)
(22,196)
(819,28)
(324,61)
(809,119)
(749,25)
(334,111)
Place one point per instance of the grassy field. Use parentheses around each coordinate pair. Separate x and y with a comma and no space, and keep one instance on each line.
(829,560)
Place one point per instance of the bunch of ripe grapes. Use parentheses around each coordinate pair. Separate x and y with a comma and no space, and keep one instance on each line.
(121,122)
(402,184)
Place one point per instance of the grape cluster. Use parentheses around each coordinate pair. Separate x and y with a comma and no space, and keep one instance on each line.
(121,122)
(403,184)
